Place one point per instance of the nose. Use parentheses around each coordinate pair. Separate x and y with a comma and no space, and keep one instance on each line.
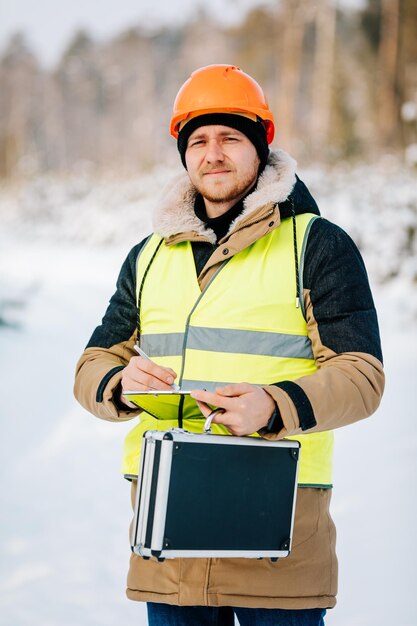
(214,152)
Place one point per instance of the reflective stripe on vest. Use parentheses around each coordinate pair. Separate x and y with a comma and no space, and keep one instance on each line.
(243,326)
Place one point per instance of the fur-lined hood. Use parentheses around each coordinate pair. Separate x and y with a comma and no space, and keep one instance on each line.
(277,184)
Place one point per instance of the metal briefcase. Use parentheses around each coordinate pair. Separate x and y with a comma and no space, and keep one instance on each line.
(214,496)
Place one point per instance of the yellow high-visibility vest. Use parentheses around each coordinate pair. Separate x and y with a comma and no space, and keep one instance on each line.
(243,327)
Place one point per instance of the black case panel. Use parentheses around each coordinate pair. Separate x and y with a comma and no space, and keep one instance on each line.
(239,498)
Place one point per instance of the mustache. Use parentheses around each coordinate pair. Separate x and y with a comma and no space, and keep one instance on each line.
(216,168)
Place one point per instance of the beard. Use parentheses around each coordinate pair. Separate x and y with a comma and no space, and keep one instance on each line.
(231,186)
(227,193)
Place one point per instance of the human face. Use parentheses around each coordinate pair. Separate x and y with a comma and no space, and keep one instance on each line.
(222,164)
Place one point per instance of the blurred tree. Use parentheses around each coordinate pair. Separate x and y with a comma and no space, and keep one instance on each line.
(387,97)
(291,25)
(20,115)
(78,82)
(128,124)
(408,74)
(323,77)
(252,45)
(337,80)
(203,43)
(353,129)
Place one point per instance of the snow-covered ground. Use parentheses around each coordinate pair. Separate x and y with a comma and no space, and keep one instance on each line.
(65,510)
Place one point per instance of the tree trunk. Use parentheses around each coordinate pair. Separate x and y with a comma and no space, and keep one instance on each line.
(290,42)
(322,83)
(387,73)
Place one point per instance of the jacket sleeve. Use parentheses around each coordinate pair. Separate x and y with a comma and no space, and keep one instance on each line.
(99,369)
(343,328)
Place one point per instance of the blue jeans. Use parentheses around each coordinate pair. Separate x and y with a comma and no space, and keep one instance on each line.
(169,615)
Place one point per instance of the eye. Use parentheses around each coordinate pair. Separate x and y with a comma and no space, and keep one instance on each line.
(196,142)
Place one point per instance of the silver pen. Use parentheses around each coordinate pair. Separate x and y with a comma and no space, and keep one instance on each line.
(145,356)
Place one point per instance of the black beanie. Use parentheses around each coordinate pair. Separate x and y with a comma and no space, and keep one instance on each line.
(254,131)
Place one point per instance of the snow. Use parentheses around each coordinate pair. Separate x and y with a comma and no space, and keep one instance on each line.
(65,510)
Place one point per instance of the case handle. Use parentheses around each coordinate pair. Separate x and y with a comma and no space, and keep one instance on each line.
(209,419)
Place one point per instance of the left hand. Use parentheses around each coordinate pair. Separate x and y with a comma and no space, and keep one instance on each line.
(247,408)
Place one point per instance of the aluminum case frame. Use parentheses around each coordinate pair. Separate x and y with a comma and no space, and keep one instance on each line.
(158,492)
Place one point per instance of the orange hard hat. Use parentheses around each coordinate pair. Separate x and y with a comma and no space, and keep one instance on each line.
(221,88)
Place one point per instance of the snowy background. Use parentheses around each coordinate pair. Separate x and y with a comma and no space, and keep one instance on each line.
(65,510)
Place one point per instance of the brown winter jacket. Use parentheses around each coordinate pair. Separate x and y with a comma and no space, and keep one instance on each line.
(347,387)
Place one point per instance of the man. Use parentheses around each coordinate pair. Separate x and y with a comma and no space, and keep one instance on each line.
(246,295)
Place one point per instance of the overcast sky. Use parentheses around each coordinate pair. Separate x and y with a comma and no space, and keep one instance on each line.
(50,24)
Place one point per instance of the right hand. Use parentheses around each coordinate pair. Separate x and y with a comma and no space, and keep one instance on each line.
(143,375)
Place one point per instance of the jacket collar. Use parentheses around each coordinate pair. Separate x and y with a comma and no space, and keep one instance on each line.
(174,215)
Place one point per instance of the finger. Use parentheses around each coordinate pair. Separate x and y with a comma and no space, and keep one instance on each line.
(211,418)
(165,374)
(152,382)
(209,397)
(150,366)
(136,379)
(235,389)
(204,408)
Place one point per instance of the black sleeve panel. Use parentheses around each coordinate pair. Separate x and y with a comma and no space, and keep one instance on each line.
(339,290)
(301,403)
(119,321)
